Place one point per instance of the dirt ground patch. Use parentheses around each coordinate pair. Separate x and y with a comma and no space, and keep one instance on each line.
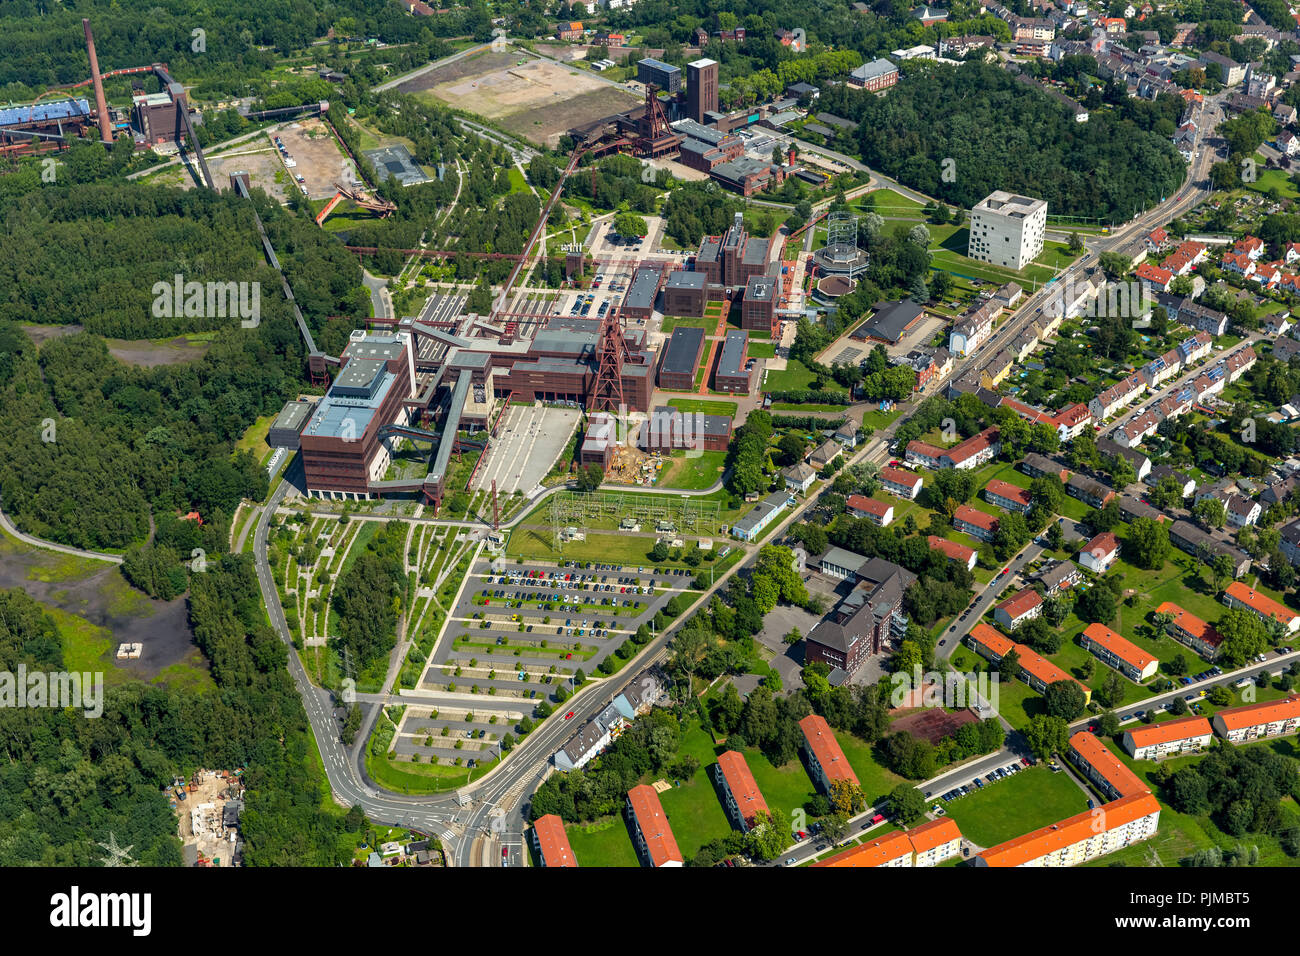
(320,161)
(537,100)
(142,352)
(932,723)
(98,593)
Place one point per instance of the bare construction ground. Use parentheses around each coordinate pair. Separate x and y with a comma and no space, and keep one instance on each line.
(320,160)
(537,100)
(529,439)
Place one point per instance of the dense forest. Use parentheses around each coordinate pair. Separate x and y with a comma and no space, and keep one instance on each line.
(44,45)
(67,782)
(1003,134)
(367,597)
(91,254)
(94,446)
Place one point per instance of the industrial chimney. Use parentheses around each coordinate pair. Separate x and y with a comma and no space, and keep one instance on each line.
(101,105)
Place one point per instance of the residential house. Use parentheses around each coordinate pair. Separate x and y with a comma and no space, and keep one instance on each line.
(1099,554)
(1020,607)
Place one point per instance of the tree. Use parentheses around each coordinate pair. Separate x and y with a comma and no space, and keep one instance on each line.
(1210,512)
(846,797)
(835,827)
(629,225)
(1148,543)
(1009,666)
(1108,724)
(1065,699)
(1111,693)
(1096,605)
(1244,636)
(907,804)
(590,478)
(1047,735)
(1076,244)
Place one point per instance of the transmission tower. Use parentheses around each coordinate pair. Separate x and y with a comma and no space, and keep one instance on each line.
(117,855)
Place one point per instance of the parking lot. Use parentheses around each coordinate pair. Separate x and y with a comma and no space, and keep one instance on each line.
(520,631)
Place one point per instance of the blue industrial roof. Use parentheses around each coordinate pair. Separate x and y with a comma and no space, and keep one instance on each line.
(54,109)
(733,352)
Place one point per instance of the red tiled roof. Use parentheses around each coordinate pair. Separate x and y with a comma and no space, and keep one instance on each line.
(1118,645)
(900,477)
(1022,602)
(1075,829)
(933,833)
(1105,543)
(976,517)
(740,780)
(877,852)
(821,741)
(554,841)
(1111,769)
(1189,622)
(869,505)
(1005,489)
(1250,715)
(991,638)
(1261,604)
(653,823)
(955,551)
(1184,728)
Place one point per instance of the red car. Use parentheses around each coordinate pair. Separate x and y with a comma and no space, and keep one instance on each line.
(568,715)
(568,657)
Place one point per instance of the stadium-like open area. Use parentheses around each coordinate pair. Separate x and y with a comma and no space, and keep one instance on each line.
(535,99)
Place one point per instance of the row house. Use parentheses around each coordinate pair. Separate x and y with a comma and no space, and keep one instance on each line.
(1112,449)
(1058,576)
(926,845)
(1118,396)
(1238,263)
(1255,721)
(1239,363)
(973,329)
(826,759)
(976,523)
(1173,738)
(1116,651)
(1091,492)
(989,643)
(1159,473)
(1138,429)
(1192,539)
(1161,368)
(1008,496)
(1238,594)
(1241,511)
(1289,543)
(1186,628)
(1040,673)
(1194,315)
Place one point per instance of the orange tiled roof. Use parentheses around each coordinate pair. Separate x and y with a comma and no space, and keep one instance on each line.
(1261,604)
(1234,718)
(935,833)
(1113,770)
(653,822)
(554,841)
(821,741)
(1119,645)
(743,785)
(1075,829)
(876,852)
(1163,733)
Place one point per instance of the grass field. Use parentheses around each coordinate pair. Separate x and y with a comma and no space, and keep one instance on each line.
(704,406)
(1033,798)
(761,350)
(254,438)
(794,376)
(535,545)
(692,474)
(605,842)
(689,322)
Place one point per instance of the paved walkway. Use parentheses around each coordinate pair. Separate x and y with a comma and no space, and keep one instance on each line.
(9,528)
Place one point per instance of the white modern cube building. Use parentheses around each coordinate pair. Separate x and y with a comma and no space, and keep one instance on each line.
(1007,230)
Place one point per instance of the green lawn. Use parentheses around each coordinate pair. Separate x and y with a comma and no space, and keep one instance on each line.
(1033,798)
(692,806)
(689,322)
(761,350)
(794,376)
(876,780)
(692,474)
(704,406)
(603,843)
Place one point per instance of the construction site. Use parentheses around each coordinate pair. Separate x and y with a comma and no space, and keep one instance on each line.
(208,807)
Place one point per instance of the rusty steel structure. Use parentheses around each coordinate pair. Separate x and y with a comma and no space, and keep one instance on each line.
(607,390)
(101,104)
